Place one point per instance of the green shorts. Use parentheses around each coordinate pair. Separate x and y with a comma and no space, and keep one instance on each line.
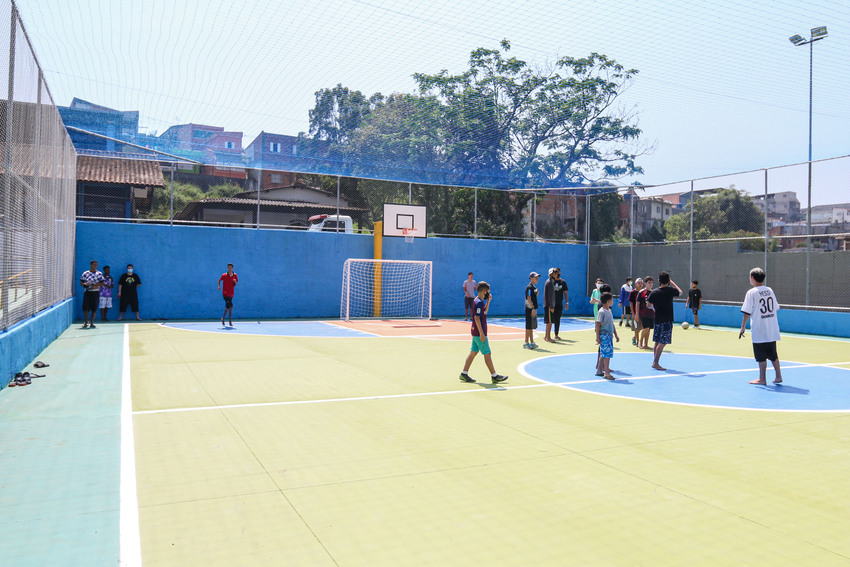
(480,346)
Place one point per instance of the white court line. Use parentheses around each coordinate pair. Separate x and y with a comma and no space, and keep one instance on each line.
(129,541)
(541,384)
(333,400)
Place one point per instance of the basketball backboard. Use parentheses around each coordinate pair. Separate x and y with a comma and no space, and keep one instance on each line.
(398,217)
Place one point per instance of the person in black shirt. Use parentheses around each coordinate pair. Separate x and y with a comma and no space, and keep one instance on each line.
(128,295)
(662,301)
(561,294)
(694,301)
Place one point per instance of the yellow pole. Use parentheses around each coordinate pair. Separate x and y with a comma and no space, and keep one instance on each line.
(376,289)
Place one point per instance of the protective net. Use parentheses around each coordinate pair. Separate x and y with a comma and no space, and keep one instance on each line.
(37,180)
(715,230)
(388,289)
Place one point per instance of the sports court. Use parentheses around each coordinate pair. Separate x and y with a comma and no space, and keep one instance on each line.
(332,443)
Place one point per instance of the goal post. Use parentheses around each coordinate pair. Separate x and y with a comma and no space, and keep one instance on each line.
(389,289)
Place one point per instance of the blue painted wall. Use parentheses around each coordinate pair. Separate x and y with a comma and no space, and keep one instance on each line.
(287,274)
(284,274)
(21,342)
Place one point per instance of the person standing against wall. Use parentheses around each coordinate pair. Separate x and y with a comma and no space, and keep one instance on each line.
(128,295)
(469,295)
(91,280)
(106,294)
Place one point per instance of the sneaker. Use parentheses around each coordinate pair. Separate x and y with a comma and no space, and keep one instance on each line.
(465,378)
(634,342)
(20,380)
(27,379)
(92,326)
(14,381)
(534,346)
(498,378)
(85,326)
(526,345)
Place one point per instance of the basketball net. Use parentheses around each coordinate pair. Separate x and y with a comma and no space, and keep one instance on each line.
(409,234)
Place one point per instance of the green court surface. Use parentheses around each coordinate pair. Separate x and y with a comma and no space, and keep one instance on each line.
(368,451)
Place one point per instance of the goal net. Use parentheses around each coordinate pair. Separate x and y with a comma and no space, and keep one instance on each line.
(389,289)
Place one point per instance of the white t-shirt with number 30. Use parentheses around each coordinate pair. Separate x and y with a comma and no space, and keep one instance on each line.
(761,305)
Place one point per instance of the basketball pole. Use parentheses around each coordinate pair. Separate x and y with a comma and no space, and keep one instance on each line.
(378,269)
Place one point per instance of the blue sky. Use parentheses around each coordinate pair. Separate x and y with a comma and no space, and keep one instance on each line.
(720,88)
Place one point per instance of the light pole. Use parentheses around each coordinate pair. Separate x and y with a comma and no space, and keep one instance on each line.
(818,34)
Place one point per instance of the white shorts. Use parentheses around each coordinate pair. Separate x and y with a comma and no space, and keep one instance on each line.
(105,302)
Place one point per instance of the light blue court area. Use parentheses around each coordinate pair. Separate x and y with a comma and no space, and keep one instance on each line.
(273,328)
(567,323)
(701,380)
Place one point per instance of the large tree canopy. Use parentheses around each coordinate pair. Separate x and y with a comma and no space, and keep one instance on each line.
(501,123)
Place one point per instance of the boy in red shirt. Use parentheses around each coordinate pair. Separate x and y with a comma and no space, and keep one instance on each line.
(227,286)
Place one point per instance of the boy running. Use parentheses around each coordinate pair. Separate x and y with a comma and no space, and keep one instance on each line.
(479,336)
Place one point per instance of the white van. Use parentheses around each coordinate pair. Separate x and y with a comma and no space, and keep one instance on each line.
(331,223)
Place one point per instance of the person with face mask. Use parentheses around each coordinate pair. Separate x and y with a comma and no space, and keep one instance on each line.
(595,295)
(128,295)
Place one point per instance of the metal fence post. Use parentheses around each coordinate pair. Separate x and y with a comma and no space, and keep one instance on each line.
(691,254)
(7,177)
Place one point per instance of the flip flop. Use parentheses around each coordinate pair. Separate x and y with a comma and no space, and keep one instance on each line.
(40,364)
(34,375)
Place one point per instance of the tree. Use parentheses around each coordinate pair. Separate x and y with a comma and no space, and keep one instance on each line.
(184,193)
(604,215)
(729,213)
(544,128)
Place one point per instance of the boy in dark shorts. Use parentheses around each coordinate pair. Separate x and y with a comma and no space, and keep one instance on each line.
(633,303)
(531,310)
(694,301)
(227,286)
(479,336)
(91,280)
(662,301)
(760,307)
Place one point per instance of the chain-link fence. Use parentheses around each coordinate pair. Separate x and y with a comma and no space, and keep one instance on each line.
(37,177)
(715,230)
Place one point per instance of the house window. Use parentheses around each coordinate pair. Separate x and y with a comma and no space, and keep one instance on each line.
(277,178)
(274,147)
(228,145)
(657,209)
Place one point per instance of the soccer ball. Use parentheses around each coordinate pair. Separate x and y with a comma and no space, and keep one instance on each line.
(685,325)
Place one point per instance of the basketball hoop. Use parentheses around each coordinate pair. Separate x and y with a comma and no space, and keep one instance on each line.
(409,234)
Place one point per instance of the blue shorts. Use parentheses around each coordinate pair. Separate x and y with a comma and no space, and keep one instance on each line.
(480,346)
(663,333)
(606,345)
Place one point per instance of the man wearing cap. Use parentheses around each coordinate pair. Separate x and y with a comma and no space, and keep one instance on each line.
(549,303)
(531,310)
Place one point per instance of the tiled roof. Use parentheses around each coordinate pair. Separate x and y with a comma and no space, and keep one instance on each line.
(115,170)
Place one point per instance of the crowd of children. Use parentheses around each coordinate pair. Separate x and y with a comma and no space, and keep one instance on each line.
(643,308)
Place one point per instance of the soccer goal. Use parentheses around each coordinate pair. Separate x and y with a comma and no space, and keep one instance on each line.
(388,289)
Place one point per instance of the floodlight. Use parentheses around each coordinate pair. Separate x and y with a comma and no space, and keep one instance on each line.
(819,32)
(797,39)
